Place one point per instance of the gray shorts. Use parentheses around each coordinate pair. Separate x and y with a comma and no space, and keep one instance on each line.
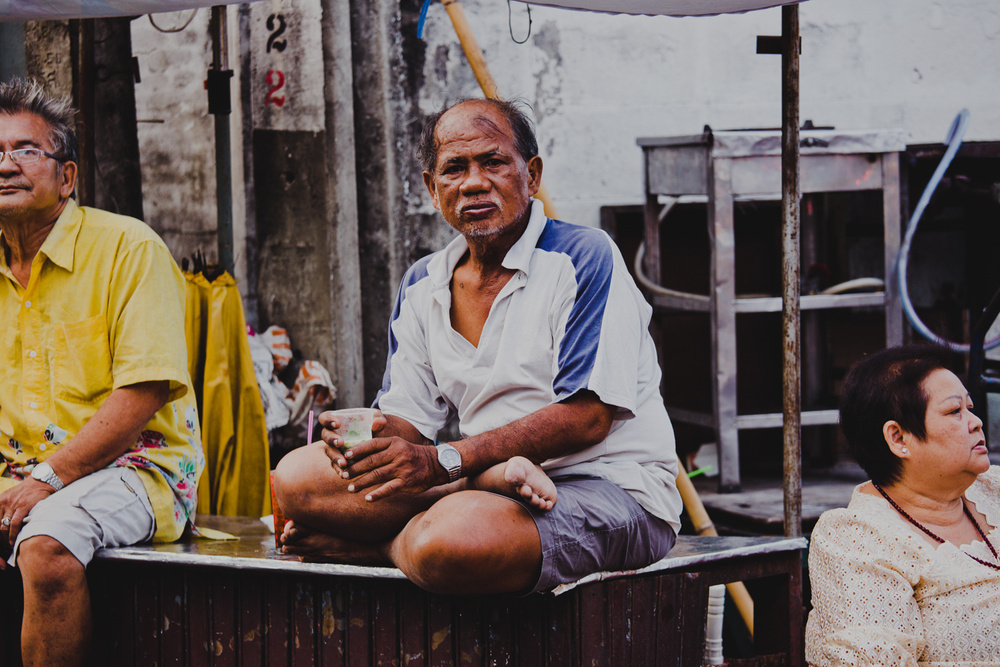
(108,508)
(595,526)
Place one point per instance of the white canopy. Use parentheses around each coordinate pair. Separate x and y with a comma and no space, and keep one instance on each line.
(665,7)
(38,10)
(45,10)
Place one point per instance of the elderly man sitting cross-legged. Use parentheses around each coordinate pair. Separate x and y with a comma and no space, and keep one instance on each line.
(531,332)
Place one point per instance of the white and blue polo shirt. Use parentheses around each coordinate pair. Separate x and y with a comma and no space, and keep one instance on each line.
(571,318)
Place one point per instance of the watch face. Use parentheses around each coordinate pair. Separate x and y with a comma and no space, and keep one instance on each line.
(450,458)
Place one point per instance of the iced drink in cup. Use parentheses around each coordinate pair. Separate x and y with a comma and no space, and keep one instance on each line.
(355,425)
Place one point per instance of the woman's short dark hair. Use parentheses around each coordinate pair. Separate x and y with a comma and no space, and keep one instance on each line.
(523,130)
(26,96)
(881,387)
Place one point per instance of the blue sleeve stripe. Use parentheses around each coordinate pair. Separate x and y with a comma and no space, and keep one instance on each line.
(416,273)
(593,262)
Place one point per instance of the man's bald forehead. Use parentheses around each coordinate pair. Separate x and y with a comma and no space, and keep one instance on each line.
(479,114)
(492,117)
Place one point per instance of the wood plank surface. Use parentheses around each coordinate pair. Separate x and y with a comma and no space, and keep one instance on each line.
(161,612)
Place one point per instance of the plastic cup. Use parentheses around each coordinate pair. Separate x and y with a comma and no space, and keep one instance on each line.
(355,425)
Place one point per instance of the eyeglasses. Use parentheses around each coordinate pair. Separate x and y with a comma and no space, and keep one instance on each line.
(28,156)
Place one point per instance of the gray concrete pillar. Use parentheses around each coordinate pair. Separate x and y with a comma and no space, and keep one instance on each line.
(12,63)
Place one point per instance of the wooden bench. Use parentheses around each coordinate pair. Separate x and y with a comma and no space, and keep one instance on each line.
(199,602)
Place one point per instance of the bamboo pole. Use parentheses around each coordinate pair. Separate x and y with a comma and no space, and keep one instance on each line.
(482,72)
(703,526)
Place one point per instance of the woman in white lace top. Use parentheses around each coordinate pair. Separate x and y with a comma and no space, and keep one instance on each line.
(908,573)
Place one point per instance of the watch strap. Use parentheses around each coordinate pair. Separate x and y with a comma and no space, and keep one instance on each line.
(43,472)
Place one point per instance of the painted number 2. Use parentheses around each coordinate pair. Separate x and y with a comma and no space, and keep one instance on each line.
(276,24)
(276,80)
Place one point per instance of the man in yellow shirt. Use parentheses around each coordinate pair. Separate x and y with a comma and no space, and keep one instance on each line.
(99,432)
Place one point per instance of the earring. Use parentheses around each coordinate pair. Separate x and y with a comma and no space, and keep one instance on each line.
(905,450)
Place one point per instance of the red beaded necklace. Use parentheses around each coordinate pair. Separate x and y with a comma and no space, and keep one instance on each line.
(940,540)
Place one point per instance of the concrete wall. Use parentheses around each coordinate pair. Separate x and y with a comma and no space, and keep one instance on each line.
(176,134)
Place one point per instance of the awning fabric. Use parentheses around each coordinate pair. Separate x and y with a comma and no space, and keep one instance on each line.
(42,10)
(665,7)
(45,10)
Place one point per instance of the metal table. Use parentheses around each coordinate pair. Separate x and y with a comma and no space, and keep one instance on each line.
(722,168)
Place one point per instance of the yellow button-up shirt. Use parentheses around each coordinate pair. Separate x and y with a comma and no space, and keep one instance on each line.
(104,308)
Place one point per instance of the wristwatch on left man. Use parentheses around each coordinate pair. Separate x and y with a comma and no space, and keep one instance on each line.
(43,472)
(451,460)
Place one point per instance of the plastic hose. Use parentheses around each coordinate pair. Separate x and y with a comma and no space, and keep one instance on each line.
(954,140)
(423,17)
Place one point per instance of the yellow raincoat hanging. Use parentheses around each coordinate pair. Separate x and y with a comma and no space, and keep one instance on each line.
(234,435)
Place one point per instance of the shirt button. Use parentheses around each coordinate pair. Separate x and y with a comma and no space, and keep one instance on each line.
(33,405)
(27,304)
(32,354)
(42,446)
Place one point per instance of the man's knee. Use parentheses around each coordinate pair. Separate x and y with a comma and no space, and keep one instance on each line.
(301,479)
(457,543)
(433,550)
(45,562)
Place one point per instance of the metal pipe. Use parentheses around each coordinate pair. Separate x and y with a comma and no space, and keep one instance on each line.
(224,191)
(482,72)
(790,280)
(220,106)
(220,39)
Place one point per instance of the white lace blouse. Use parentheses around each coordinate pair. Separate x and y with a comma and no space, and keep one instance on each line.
(884,595)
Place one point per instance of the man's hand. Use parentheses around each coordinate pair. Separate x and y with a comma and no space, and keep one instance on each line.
(330,422)
(15,504)
(393,465)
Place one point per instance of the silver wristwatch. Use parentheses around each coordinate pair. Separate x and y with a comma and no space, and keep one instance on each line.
(450,460)
(43,472)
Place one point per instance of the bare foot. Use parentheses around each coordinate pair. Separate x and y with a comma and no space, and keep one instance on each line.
(312,546)
(530,482)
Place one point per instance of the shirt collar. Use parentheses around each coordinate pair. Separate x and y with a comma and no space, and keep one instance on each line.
(60,245)
(518,257)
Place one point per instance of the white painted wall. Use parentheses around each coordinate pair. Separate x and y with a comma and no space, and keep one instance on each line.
(176,144)
(597,82)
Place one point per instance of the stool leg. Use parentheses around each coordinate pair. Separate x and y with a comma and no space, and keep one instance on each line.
(713,627)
